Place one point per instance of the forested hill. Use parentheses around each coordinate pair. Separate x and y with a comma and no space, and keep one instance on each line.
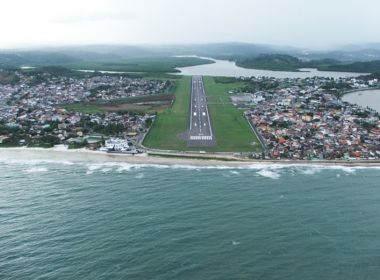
(281,62)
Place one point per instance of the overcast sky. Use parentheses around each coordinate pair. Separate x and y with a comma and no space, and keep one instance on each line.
(305,23)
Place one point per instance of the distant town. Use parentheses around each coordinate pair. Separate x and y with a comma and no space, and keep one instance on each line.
(293,119)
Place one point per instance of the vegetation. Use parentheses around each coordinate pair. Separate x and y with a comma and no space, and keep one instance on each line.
(338,88)
(40,74)
(17,137)
(264,84)
(225,80)
(280,62)
(150,104)
(59,63)
(276,62)
(8,78)
(232,130)
(76,145)
(156,76)
(360,67)
(143,98)
(84,108)
(171,122)
(102,53)
(109,129)
(34,58)
(375,75)
(148,65)
(57,71)
(100,88)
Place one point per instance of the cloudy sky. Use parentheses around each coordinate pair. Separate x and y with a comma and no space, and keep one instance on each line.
(306,23)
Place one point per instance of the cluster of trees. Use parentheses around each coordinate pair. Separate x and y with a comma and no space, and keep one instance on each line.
(17,136)
(282,62)
(100,88)
(8,77)
(110,129)
(278,62)
(253,86)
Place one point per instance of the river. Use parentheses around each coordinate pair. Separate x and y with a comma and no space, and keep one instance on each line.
(227,68)
(364,98)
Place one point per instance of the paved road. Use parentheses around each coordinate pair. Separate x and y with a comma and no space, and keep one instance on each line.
(200,132)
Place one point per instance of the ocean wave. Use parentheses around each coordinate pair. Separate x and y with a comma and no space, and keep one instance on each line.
(120,166)
(106,170)
(33,161)
(269,174)
(140,176)
(234,168)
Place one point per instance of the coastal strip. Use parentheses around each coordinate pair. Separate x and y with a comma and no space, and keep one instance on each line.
(60,154)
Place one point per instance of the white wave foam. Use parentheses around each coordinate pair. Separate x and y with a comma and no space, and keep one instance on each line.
(120,166)
(34,161)
(272,171)
(310,171)
(269,174)
(106,170)
(36,170)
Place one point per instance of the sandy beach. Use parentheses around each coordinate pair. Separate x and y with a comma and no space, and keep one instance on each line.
(62,154)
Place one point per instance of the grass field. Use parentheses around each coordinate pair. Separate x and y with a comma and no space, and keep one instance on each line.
(232,130)
(233,133)
(84,108)
(141,104)
(172,121)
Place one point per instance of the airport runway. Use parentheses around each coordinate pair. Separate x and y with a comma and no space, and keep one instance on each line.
(200,132)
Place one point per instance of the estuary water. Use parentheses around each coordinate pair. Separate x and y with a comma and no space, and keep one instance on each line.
(365,98)
(227,68)
(82,220)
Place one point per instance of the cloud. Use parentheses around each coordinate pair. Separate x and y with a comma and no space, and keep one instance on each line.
(77,11)
(93,16)
(98,16)
(289,22)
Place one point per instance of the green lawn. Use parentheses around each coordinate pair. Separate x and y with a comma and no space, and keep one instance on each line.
(233,133)
(232,130)
(84,108)
(172,121)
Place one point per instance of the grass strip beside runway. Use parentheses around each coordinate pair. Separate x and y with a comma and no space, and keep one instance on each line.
(232,131)
(172,121)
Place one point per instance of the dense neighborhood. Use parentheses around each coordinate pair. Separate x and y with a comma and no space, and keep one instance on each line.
(306,119)
(33,109)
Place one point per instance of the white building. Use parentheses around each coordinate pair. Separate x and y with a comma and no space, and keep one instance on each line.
(114,144)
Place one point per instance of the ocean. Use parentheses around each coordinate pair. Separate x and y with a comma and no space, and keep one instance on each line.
(82,220)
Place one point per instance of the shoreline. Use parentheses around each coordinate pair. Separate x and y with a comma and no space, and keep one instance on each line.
(62,154)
